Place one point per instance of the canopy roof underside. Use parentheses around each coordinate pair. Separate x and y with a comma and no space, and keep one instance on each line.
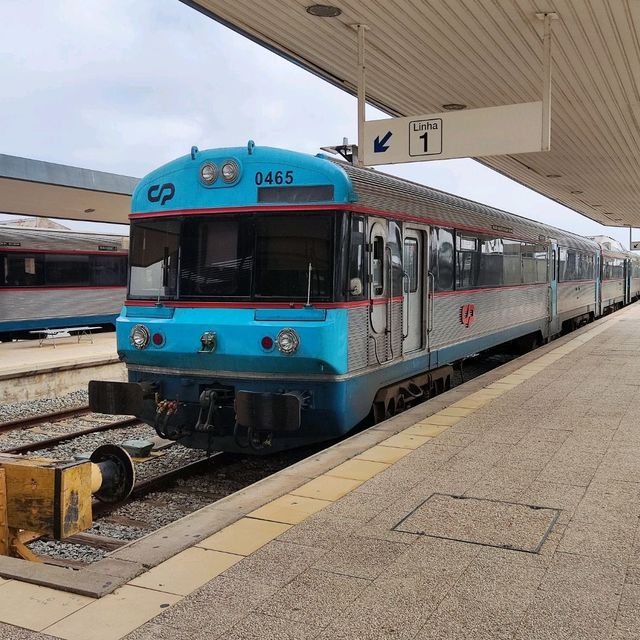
(423,54)
(37,188)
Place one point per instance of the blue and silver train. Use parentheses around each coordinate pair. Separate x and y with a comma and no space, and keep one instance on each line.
(52,278)
(277,299)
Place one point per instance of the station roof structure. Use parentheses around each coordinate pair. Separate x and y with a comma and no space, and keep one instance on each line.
(423,55)
(37,188)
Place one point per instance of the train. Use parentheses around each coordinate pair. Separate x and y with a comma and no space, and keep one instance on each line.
(278,299)
(51,278)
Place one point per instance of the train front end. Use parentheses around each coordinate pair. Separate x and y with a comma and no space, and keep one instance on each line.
(234,332)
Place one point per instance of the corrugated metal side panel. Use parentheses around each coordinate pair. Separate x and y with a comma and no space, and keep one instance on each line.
(378,349)
(387,193)
(396,328)
(358,337)
(612,289)
(61,303)
(494,311)
(573,295)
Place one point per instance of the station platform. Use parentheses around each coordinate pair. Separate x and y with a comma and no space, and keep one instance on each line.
(506,508)
(29,371)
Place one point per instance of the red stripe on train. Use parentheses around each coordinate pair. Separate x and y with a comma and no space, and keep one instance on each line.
(257,305)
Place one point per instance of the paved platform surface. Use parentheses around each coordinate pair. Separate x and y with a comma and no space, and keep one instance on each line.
(26,356)
(29,371)
(417,535)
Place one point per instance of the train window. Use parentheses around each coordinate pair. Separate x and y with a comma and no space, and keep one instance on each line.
(377,266)
(491,263)
(441,258)
(534,263)
(587,266)
(356,258)
(575,265)
(494,262)
(291,253)
(613,269)
(411,263)
(467,244)
(394,243)
(217,256)
(572,266)
(512,262)
(21,270)
(62,270)
(542,270)
(467,262)
(154,258)
(109,271)
(67,270)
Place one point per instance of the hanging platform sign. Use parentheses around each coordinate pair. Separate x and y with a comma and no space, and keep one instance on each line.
(493,131)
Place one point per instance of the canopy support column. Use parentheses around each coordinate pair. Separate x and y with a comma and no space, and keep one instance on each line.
(358,157)
(546,82)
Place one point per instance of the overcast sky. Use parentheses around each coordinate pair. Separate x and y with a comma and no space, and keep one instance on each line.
(126,85)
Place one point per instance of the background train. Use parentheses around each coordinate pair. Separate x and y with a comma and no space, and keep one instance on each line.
(52,278)
(277,299)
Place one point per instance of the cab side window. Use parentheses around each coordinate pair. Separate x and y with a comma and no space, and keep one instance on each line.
(377,266)
(356,258)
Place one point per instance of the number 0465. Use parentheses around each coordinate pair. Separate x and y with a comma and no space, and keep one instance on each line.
(274,177)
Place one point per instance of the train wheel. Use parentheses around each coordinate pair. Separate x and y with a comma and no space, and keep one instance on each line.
(390,410)
(378,412)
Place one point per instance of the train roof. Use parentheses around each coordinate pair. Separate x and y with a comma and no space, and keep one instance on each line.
(174,188)
(385,192)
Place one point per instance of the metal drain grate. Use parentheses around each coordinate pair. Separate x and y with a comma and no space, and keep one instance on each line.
(490,523)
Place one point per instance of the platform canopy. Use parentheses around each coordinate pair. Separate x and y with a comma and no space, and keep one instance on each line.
(37,188)
(424,54)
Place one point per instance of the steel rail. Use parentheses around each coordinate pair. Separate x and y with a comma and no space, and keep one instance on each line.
(55,416)
(52,442)
(101,509)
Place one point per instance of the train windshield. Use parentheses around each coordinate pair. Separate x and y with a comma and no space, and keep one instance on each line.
(153,258)
(247,256)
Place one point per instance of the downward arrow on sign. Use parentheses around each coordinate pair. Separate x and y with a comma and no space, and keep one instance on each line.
(379,146)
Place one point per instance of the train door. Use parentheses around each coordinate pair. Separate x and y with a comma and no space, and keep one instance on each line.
(554,322)
(627,281)
(598,277)
(378,285)
(415,258)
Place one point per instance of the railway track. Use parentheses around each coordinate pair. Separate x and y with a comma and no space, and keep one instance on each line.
(48,443)
(161,480)
(31,421)
(174,484)
(102,510)
(156,492)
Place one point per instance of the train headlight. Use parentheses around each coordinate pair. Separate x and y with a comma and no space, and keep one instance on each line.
(208,173)
(139,336)
(287,341)
(230,171)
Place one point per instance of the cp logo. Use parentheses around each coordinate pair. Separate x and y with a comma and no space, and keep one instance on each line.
(162,193)
(467,314)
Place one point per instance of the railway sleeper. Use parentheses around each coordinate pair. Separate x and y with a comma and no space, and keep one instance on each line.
(397,397)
